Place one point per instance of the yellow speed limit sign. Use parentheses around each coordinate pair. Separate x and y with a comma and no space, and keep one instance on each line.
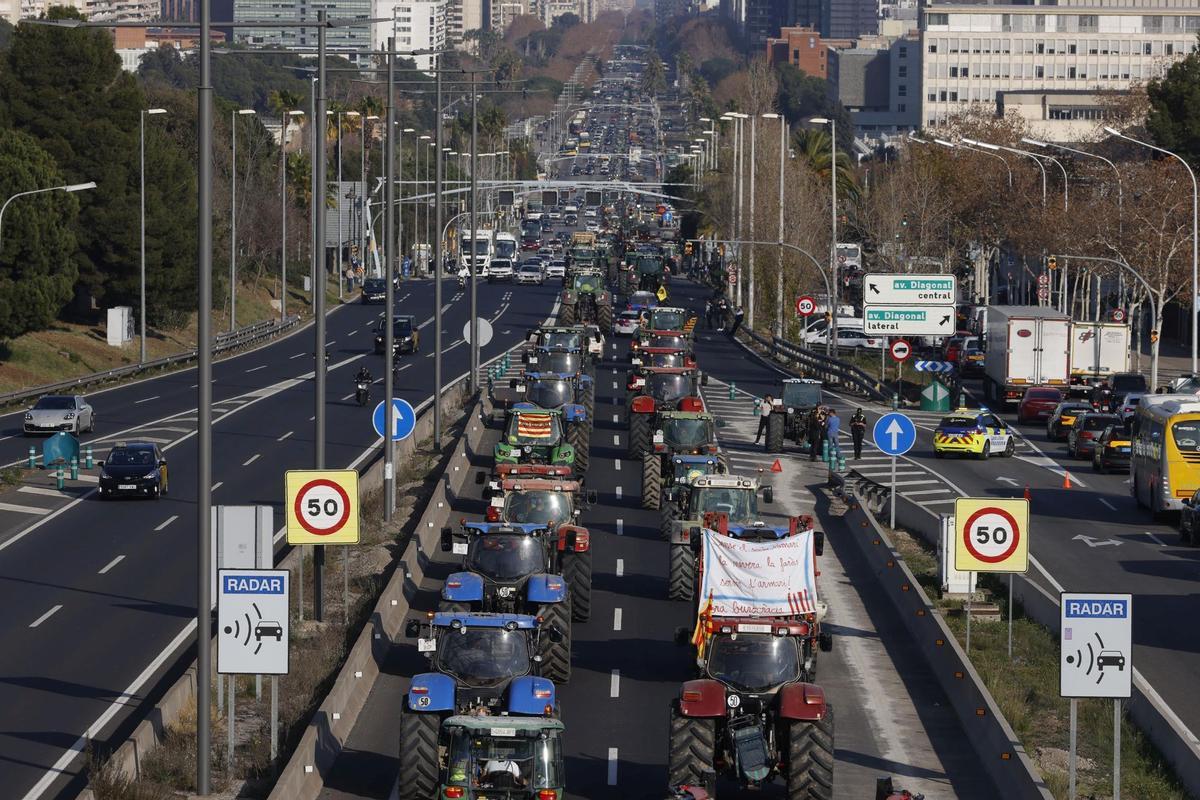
(322,506)
(991,534)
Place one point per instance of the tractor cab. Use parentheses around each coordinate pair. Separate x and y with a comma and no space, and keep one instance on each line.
(662,357)
(511,758)
(536,436)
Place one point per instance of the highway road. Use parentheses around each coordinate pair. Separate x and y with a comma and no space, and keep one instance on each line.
(892,719)
(100,597)
(1090,537)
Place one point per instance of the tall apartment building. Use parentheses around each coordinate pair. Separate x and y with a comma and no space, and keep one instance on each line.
(878,81)
(180,10)
(347,41)
(1048,60)
(416,24)
(503,12)
(849,19)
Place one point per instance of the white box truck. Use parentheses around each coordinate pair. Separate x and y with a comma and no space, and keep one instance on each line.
(1026,346)
(1098,351)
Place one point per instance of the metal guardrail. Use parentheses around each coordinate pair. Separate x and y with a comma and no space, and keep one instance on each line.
(222,342)
(830,371)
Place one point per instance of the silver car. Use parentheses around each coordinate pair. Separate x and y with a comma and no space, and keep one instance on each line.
(60,412)
(531,273)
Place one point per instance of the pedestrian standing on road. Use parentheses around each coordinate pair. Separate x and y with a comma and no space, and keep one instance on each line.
(708,313)
(816,432)
(764,414)
(737,321)
(722,313)
(833,427)
(858,429)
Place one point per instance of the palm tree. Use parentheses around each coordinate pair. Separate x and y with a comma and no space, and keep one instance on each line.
(812,148)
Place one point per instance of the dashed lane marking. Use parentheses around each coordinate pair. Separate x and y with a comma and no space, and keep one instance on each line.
(617,467)
(111,564)
(1107,504)
(614,684)
(45,616)
(620,567)
(167,522)
(218,485)
(620,527)
(256,369)
(616,619)
(618,489)
(146,399)
(251,460)
(612,766)
(616,439)
(286,435)
(616,417)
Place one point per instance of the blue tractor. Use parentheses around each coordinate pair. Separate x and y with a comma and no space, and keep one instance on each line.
(483,665)
(517,568)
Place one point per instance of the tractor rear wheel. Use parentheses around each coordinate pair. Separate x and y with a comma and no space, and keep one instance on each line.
(566,314)
(774,433)
(651,481)
(604,318)
(669,514)
(577,571)
(556,656)
(639,435)
(418,755)
(692,749)
(681,572)
(577,437)
(810,759)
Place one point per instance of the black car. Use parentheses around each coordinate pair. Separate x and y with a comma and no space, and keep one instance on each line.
(1189,520)
(136,469)
(406,338)
(1112,450)
(1083,435)
(374,290)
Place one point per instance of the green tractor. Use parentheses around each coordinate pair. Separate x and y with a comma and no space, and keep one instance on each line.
(792,412)
(676,433)
(512,757)
(644,272)
(539,436)
(585,300)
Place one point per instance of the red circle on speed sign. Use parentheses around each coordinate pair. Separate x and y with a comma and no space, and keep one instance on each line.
(1118,315)
(322,507)
(998,535)
(805,306)
(901,349)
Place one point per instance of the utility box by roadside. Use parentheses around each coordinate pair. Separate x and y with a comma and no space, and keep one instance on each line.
(242,538)
(952,581)
(120,326)
(935,397)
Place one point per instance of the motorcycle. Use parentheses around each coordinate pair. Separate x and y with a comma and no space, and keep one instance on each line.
(362,392)
(462,282)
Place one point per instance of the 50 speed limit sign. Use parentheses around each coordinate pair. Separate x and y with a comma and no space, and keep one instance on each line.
(991,535)
(322,506)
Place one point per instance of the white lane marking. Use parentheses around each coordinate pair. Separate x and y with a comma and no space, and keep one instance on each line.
(406,366)
(347,397)
(620,567)
(612,766)
(43,491)
(330,342)
(926,491)
(286,435)
(616,418)
(167,522)
(617,467)
(1107,504)
(618,489)
(251,460)
(298,355)
(620,527)
(218,485)
(45,617)
(256,369)
(111,564)
(146,399)
(616,438)
(1157,540)
(616,619)
(614,384)
(614,684)
(22,510)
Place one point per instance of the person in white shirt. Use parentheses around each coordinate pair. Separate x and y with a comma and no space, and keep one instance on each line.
(764,413)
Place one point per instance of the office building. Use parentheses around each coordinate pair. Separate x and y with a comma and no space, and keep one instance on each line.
(416,24)
(802,48)
(878,81)
(347,41)
(1048,57)
(849,19)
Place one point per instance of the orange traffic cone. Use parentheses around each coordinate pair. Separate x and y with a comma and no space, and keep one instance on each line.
(1066,480)
(777,467)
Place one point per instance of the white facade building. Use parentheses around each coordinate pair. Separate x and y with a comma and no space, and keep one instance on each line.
(974,53)
(416,24)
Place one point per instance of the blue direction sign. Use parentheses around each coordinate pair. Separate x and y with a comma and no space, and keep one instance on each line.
(934,366)
(404,419)
(894,434)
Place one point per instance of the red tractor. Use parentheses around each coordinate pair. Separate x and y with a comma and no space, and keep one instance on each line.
(753,713)
(656,389)
(663,357)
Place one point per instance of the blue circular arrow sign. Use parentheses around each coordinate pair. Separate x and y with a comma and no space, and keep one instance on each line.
(404,419)
(894,434)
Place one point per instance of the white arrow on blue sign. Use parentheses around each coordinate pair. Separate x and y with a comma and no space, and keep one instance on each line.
(404,419)
(934,366)
(894,434)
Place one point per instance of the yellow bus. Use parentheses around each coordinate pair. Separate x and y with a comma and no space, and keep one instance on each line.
(1165,463)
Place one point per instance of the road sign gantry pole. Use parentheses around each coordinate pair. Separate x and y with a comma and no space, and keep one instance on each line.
(318,270)
(389,258)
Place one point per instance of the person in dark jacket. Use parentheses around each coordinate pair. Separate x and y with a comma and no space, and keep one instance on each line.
(858,429)
(816,433)
(737,321)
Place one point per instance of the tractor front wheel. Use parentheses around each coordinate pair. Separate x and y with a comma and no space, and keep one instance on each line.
(577,570)
(639,435)
(577,437)
(651,481)
(556,656)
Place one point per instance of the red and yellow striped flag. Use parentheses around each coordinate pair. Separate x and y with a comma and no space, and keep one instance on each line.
(534,426)
(700,634)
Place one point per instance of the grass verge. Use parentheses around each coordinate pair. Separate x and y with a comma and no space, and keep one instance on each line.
(1026,689)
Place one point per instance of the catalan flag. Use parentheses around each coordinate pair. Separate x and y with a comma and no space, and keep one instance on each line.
(534,426)
(703,619)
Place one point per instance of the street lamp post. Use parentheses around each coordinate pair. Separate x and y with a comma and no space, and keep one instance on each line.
(283,213)
(362,195)
(779,272)
(1195,242)
(233,115)
(341,238)
(753,203)
(831,340)
(142,151)
(70,187)
(388,167)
